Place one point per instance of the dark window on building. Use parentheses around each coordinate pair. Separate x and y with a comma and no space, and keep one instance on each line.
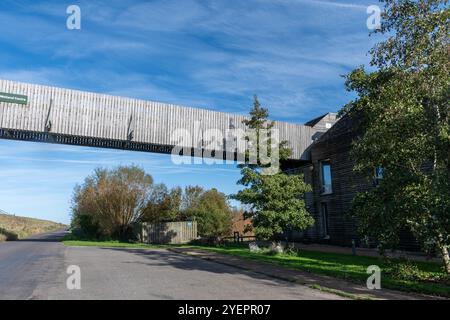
(325,226)
(378,175)
(325,176)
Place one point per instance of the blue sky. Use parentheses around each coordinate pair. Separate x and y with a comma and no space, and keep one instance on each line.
(208,54)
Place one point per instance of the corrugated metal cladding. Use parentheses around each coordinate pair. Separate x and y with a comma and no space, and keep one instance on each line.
(85,114)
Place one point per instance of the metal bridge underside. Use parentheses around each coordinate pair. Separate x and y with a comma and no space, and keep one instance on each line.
(55,138)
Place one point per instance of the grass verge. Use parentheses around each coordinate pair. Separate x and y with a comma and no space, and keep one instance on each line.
(426,278)
(70,241)
(109,244)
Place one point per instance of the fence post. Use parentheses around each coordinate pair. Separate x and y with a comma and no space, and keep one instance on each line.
(353,247)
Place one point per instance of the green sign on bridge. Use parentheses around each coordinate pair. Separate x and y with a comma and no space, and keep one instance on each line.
(13,98)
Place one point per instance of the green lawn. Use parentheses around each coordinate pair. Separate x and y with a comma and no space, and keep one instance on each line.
(421,277)
(72,241)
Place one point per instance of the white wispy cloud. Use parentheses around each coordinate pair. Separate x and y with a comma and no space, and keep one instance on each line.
(191,52)
(334,4)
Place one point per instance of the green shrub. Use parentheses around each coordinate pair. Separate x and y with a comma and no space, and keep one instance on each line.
(86,228)
(405,269)
(291,251)
(6,235)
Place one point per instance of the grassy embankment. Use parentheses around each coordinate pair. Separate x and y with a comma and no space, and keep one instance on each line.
(419,277)
(14,228)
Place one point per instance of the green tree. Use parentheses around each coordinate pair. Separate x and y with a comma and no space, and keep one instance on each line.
(405,127)
(191,198)
(259,122)
(275,202)
(163,204)
(212,213)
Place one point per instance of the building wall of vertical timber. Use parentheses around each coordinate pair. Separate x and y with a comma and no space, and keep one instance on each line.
(100,120)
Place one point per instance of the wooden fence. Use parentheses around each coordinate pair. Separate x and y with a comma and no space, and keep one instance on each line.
(169,232)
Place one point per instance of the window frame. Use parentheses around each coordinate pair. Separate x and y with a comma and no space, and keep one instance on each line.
(323,190)
(377,177)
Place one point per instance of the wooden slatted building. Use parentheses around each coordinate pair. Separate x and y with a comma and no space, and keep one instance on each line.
(49,114)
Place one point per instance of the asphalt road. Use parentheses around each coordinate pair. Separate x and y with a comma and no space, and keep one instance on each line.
(26,264)
(36,269)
